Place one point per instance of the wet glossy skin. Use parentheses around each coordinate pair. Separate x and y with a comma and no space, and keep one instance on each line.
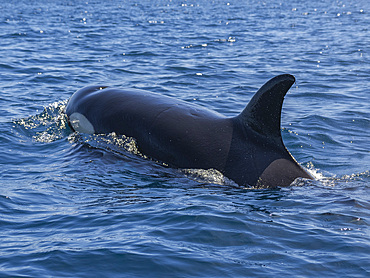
(247,148)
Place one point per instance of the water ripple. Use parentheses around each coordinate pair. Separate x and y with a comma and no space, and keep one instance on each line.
(73,205)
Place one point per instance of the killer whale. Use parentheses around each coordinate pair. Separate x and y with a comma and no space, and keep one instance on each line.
(247,148)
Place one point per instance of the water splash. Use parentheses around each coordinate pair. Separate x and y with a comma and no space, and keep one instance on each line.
(48,126)
(208,176)
(52,125)
(119,144)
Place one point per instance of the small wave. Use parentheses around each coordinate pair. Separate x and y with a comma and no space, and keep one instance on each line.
(355,176)
(119,144)
(51,125)
(48,126)
(326,179)
(211,176)
(363,177)
(124,145)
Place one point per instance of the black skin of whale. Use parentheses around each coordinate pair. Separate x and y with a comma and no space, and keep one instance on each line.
(247,148)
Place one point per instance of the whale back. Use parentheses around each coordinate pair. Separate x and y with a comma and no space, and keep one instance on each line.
(247,148)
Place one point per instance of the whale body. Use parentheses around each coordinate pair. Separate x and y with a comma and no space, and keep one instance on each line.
(247,148)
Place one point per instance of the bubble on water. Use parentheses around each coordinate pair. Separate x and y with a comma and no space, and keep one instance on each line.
(208,176)
(48,126)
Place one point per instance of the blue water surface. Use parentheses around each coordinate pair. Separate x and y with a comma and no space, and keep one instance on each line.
(73,205)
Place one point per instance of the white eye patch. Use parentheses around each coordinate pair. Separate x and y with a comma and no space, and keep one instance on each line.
(81,124)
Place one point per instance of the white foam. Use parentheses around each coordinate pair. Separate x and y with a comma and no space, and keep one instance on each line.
(81,124)
(210,176)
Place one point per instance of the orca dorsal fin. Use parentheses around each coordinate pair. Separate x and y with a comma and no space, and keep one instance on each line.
(263,112)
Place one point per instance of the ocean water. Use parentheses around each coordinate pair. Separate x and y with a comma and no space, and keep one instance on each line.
(73,205)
